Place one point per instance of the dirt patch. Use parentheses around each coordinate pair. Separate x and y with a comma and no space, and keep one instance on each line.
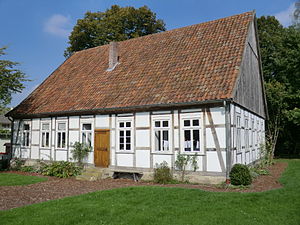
(54,188)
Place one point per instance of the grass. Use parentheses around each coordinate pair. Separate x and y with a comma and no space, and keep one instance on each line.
(11,179)
(160,205)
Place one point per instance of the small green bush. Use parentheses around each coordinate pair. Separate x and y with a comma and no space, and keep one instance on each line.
(16,164)
(240,175)
(61,169)
(29,169)
(162,173)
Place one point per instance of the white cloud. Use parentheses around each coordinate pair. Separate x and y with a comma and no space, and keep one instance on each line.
(285,17)
(58,25)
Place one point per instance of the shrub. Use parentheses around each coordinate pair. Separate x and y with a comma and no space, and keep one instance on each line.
(16,164)
(61,169)
(240,175)
(29,169)
(4,164)
(183,160)
(80,151)
(162,173)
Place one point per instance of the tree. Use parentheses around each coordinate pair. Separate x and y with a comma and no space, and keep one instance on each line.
(115,24)
(11,80)
(280,52)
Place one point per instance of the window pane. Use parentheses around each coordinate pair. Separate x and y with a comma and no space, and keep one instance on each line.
(128,124)
(122,140)
(187,123)
(121,146)
(157,123)
(166,140)
(128,133)
(45,126)
(122,124)
(127,146)
(26,126)
(195,122)
(121,133)
(63,141)
(61,126)
(43,139)
(89,139)
(86,126)
(58,139)
(84,138)
(157,140)
(196,140)
(165,123)
(128,140)
(187,140)
(27,139)
(47,139)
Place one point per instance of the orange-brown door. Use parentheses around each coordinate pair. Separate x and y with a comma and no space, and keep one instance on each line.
(101,148)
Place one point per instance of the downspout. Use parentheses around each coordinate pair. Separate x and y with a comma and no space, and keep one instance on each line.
(227,105)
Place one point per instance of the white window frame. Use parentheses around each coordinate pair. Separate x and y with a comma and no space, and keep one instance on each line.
(66,135)
(28,134)
(87,131)
(131,129)
(191,116)
(156,118)
(45,131)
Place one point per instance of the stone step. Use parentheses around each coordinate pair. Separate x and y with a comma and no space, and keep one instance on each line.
(94,173)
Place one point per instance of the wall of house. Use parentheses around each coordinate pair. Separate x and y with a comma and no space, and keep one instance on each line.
(143,155)
(247,136)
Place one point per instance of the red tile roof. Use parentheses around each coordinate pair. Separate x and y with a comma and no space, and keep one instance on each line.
(189,64)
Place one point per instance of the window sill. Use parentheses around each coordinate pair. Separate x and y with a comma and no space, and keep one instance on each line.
(125,152)
(45,148)
(192,153)
(162,152)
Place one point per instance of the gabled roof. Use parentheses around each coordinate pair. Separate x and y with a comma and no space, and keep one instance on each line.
(187,65)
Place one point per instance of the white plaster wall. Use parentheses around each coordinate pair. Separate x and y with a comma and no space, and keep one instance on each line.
(25,153)
(74,122)
(221,134)
(35,137)
(35,152)
(218,115)
(142,138)
(61,155)
(35,124)
(125,160)
(142,119)
(102,121)
(158,159)
(213,164)
(45,154)
(73,137)
(176,138)
(143,158)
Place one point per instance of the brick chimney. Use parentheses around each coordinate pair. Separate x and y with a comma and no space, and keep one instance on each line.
(113,55)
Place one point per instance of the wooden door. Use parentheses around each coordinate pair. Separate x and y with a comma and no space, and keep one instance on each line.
(101,148)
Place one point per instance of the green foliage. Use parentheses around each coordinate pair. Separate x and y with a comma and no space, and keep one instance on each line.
(29,169)
(162,173)
(280,53)
(240,175)
(115,24)
(61,169)
(80,151)
(11,179)
(11,80)
(183,160)
(16,164)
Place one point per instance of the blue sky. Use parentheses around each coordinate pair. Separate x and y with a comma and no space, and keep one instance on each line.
(36,32)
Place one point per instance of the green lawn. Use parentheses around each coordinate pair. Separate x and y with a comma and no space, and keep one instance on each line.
(158,205)
(10,179)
